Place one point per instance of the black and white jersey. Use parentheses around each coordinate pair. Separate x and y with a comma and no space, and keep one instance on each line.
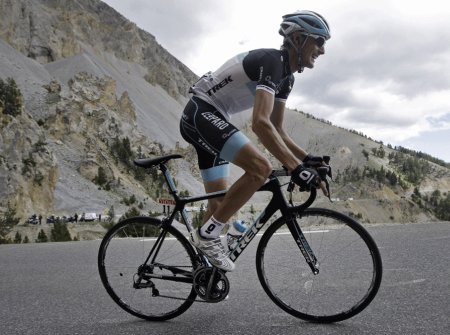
(231,89)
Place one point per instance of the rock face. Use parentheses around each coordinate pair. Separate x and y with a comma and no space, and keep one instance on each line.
(28,169)
(48,31)
(88,79)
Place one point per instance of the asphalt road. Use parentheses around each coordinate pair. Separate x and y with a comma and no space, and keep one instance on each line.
(54,288)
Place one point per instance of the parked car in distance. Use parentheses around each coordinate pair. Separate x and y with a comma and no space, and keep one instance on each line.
(88,217)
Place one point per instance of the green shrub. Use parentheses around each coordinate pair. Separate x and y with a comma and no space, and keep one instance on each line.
(8,219)
(11,100)
(60,233)
(42,237)
(101,178)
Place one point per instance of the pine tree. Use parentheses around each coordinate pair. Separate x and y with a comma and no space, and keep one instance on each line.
(443,209)
(7,221)
(18,238)
(111,214)
(60,233)
(42,237)
(101,178)
(11,100)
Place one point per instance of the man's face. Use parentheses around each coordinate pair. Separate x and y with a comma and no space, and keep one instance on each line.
(314,47)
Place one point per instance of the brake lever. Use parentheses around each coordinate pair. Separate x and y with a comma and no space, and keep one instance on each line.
(323,172)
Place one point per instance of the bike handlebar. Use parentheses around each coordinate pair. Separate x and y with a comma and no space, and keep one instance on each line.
(281,173)
(313,191)
(324,172)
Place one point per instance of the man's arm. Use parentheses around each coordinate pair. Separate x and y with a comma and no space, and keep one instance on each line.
(268,134)
(277,118)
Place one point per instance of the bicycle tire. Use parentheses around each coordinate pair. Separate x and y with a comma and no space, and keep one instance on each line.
(350,267)
(122,253)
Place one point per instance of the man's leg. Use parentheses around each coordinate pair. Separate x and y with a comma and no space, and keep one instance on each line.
(214,203)
(257,168)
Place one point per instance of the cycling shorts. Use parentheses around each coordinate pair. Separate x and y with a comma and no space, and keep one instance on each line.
(215,139)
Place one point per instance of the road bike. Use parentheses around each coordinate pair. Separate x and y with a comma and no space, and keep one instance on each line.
(314,263)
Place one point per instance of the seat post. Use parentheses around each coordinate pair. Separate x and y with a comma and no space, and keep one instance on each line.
(169,179)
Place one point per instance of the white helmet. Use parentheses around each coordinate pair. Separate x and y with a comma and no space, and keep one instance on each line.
(307,22)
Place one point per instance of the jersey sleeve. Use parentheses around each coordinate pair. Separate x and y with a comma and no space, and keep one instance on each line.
(272,76)
(285,88)
(270,73)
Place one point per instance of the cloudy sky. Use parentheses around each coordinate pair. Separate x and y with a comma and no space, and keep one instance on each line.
(385,72)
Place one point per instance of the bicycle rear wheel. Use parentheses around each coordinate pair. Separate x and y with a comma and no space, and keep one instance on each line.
(147,270)
(350,267)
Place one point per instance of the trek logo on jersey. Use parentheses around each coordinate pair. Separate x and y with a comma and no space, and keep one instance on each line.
(215,120)
(217,87)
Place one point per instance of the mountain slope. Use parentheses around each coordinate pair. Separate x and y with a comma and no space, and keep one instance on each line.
(50,30)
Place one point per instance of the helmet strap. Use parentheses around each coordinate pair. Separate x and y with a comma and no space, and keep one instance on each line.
(298,51)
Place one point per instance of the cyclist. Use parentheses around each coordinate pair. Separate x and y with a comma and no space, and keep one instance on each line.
(261,78)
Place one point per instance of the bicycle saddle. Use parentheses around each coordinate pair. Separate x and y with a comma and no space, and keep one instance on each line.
(150,162)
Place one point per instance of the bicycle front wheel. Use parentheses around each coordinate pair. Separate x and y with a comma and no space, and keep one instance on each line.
(147,270)
(349,262)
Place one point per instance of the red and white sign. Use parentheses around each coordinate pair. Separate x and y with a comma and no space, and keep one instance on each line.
(166,201)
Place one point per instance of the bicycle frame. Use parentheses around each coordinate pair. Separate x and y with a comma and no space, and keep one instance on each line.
(277,202)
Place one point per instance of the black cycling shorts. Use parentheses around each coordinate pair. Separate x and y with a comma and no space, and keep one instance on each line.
(215,139)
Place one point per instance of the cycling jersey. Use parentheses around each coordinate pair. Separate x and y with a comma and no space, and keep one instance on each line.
(231,89)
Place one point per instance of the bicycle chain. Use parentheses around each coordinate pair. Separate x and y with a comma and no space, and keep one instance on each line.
(177,298)
(222,277)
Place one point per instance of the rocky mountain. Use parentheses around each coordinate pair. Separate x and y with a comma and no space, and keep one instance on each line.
(98,91)
(129,87)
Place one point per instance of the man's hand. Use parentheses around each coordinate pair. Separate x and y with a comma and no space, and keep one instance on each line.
(313,161)
(319,164)
(305,178)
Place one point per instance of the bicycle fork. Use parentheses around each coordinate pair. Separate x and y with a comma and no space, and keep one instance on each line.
(303,245)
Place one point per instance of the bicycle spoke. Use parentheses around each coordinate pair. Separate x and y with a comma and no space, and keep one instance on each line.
(349,264)
(157,290)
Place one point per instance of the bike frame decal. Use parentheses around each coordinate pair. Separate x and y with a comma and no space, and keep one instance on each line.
(303,245)
(245,240)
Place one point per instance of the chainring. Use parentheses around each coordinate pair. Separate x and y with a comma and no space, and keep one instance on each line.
(211,284)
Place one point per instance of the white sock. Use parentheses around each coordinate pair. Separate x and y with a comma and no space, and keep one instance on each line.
(211,229)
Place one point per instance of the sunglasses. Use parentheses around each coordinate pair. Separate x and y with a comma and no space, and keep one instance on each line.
(320,41)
